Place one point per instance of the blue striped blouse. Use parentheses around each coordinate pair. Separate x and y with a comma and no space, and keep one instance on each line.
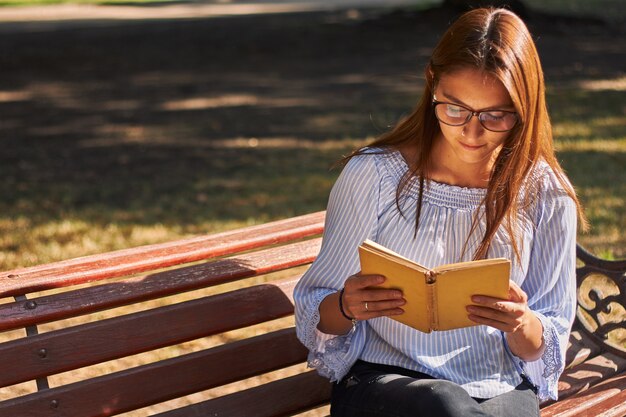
(362,205)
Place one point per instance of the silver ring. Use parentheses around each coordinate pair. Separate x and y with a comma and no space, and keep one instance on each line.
(366,309)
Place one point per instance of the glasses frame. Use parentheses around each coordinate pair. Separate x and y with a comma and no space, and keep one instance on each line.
(473,113)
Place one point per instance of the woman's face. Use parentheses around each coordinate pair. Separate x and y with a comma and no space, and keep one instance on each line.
(472,143)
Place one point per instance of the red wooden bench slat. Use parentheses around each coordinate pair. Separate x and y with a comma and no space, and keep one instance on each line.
(87,300)
(150,257)
(581,348)
(607,399)
(139,332)
(589,373)
(164,380)
(283,397)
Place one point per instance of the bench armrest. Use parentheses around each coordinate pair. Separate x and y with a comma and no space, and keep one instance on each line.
(601,291)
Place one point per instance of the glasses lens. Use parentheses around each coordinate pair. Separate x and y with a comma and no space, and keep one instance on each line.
(451,114)
(498,121)
(495,120)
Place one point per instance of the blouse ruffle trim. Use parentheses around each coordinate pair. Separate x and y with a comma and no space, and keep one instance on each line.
(551,358)
(327,359)
(543,373)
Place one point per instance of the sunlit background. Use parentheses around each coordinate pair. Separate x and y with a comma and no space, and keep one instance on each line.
(125,131)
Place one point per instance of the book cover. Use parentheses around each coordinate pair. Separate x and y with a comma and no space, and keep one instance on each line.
(436,298)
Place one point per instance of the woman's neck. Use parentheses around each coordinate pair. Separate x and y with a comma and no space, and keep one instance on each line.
(446,169)
(448,175)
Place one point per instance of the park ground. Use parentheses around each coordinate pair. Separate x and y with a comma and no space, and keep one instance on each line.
(124,131)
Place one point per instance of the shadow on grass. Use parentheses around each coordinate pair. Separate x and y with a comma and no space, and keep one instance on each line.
(189,124)
(173,185)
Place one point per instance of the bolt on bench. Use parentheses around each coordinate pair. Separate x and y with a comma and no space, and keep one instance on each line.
(204,327)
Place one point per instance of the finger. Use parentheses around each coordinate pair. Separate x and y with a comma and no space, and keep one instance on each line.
(378,306)
(516,293)
(509,313)
(358,281)
(508,307)
(496,303)
(367,315)
(380,294)
(505,327)
(486,300)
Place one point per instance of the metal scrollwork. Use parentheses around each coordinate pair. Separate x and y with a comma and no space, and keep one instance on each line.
(602,300)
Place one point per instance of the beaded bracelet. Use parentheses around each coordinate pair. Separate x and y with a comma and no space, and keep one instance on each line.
(352,319)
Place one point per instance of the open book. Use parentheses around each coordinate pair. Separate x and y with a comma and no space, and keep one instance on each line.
(436,299)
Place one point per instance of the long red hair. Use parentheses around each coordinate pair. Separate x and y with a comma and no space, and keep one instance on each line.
(497,42)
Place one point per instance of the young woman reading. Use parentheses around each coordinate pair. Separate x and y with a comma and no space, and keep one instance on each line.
(469,174)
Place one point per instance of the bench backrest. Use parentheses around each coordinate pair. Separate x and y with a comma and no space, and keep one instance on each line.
(133,284)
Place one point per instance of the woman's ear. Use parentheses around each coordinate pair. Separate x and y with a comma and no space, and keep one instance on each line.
(429,73)
(431,81)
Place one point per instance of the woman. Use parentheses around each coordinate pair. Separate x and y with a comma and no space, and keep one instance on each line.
(470,174)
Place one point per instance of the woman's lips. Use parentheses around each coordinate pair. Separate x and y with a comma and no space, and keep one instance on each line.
(470,147)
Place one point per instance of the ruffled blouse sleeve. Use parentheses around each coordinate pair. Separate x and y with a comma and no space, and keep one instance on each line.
(551,285)
(351,217)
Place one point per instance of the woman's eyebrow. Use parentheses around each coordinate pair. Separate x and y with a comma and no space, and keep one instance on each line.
(461,102)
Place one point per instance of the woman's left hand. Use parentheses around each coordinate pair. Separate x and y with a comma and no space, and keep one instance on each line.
(523,329)
(506,315)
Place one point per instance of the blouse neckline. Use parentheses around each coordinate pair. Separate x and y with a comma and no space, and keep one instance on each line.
(438,193)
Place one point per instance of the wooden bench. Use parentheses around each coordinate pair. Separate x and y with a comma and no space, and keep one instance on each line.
(204,327)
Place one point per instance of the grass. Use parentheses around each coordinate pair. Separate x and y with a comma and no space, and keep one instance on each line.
(59,214)
(591,144)
(55,219)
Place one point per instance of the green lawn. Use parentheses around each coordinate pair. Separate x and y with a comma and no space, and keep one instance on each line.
(590,130)
(243,184)
(106,153)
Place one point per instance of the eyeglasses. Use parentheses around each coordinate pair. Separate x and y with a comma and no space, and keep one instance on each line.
(457,115)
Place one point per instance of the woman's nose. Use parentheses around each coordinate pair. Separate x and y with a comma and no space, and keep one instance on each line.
(473,129)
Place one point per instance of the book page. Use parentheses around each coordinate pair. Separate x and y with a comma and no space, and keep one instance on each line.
(372,246)
(455,287)
(405,277)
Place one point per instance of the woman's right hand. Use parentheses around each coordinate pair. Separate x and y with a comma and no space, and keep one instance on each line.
(362,301)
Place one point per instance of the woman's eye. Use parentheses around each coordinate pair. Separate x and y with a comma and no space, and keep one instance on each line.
(494,115)
(455,111)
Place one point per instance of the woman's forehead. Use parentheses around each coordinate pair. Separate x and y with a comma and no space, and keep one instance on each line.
(473,88)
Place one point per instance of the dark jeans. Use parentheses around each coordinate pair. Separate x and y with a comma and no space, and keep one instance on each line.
(373,390)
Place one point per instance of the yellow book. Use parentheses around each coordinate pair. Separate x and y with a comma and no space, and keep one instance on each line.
(436,298)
